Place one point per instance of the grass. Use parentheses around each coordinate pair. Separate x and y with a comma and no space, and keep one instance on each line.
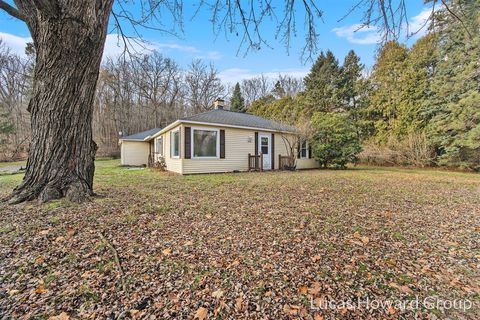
(15,163)
(382,233)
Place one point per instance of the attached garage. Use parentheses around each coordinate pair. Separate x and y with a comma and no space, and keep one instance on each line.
(136,148)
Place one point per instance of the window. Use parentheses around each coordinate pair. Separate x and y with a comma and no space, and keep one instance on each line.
(175,144)
(205,143)
(304,150)
(264,145)
(159,146)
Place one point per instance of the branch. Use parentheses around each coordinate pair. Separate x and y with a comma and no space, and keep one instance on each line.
(14,12)
(457,17)
(116,259)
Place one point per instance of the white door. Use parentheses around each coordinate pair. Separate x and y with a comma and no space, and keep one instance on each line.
(264,148)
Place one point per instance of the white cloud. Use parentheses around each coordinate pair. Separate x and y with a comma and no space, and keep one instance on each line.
(114,46)
(418,25)
(15,43)
(234,75)
(358,35)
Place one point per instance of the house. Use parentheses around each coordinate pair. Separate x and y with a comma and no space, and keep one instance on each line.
(216,141)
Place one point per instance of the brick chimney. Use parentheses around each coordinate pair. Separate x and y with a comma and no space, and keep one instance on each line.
(219,103)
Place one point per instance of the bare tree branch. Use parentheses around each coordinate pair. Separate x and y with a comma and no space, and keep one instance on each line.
(457,17)
(14,12)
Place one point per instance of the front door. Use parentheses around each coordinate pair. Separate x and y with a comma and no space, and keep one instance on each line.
(264,148)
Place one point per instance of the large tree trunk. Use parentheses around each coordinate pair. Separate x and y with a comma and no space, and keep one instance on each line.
(69,40)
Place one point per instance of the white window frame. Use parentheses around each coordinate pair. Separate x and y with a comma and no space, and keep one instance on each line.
(192,142)
(306,151)
(172,144)
(162,153)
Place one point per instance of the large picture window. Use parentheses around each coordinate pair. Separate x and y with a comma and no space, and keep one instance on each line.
(175,144)
(205,143)
(159,146)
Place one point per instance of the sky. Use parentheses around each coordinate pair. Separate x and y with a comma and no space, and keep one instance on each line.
(199,41)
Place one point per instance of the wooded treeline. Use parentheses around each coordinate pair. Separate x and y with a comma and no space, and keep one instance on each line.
(133,94)
(418,106)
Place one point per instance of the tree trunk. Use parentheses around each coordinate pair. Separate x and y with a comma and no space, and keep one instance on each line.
(69,45)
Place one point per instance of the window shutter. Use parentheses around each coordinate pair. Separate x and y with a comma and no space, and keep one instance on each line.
(273,151)
(188,143)
(309,151)
(222,144)
(256,143)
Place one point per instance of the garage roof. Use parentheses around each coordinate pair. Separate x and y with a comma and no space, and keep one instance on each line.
(141,136)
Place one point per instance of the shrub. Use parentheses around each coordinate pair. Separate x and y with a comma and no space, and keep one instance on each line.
(414,150)
(335,141)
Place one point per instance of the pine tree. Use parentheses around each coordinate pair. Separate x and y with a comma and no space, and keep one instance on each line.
(455,128)
(352,90)
(414,109)
(278,90)
(322,84)
(385,95)
(237,102)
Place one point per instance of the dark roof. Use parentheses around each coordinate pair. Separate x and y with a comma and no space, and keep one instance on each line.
(227,117)
(141,135)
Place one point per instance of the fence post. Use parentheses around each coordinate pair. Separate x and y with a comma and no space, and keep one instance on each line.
(249,166)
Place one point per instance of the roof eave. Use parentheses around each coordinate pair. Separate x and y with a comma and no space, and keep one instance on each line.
(178,122)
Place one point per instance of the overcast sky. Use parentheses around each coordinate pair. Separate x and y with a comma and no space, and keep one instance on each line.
(199,41)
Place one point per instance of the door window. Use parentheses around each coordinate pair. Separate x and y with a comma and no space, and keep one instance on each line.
(264,145)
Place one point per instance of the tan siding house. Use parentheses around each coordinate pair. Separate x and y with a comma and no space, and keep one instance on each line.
(217,141)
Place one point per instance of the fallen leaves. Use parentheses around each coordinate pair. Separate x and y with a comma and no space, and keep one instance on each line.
(364,239)
(61,316)
(201,313)
(404,289)
(40,289)
(217,294)
(303,290)
(245,246)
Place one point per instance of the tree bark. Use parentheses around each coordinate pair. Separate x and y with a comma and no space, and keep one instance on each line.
(69,37)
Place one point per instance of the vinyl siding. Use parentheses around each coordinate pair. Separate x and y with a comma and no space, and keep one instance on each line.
(238,144)
(134,153)
(307,164)
(281,147)
(173,164)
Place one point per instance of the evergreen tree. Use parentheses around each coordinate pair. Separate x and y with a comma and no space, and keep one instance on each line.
(278,90)
(414,109)
(455,128)
(322,84)
(352,90)
(385,96)
(237,102)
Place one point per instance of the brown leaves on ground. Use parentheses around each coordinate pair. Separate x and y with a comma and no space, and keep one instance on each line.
(245,246)
(201,313)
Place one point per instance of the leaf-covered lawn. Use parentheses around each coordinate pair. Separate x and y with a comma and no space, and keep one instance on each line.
(249,245)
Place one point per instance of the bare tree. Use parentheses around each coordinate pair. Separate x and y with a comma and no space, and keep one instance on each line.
(291,86)
(255,88)
(158,83)
(203,86)
(14,95)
